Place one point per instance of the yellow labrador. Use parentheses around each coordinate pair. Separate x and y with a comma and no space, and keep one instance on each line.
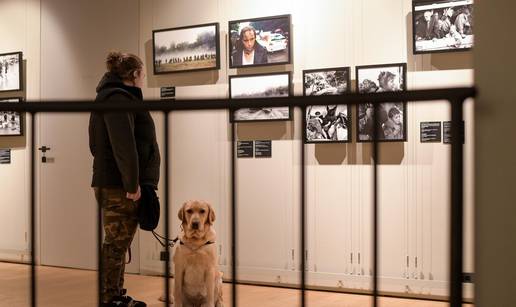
(197,280)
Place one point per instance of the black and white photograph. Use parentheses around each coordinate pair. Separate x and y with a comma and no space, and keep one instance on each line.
(442,25)
(259,41)
(10,71)
(260,86)
(391,117)
(327,123)
(190,48)
(10,122)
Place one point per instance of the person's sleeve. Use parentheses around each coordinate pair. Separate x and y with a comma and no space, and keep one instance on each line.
(120,127)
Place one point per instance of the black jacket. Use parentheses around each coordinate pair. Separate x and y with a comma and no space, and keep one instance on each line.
(260,55)
(123,145)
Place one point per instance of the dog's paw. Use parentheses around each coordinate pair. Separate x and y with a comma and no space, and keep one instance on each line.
(163,298)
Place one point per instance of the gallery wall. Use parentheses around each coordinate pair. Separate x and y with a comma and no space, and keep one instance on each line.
(414,176)
(19,28)
(414,194)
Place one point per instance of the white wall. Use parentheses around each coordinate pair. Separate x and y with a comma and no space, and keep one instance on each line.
(19,28)
(269,189)
(327,33)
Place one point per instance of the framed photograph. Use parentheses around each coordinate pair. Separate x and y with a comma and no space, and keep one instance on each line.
(10,122)
(442,25)
(327,123)
(259,41)
(190,48)
(11,71)
(257,86)
(392,117)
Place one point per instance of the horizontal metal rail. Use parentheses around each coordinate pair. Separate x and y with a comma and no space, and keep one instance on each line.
(451,94)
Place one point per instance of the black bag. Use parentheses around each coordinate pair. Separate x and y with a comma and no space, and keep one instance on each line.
(148,208)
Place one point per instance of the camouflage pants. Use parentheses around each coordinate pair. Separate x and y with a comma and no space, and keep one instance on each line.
(119,216)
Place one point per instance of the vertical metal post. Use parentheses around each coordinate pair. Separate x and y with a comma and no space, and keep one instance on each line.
(233,219)
(457,200)
(167,204)
(375,205)
(303,221)
(100,274)
(33,288)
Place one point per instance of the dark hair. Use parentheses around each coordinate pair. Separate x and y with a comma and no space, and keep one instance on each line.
(247,29)
(393,111)
(384,77)
(123,64)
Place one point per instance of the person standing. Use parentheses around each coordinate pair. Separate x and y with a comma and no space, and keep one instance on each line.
(125,157)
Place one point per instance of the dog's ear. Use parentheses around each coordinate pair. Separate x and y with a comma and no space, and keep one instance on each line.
(211,214)
(181,213)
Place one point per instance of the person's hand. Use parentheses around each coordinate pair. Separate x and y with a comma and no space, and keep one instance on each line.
(134,196)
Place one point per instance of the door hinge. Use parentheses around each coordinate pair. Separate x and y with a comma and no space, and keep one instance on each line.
(292,253)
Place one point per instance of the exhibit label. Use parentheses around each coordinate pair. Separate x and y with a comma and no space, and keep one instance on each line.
(5,156)
(447,137)
(263,149)
(168,93)
(430,132)
(244,149)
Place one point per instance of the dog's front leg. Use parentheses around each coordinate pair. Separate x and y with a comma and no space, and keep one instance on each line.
(178,286)
(210,287)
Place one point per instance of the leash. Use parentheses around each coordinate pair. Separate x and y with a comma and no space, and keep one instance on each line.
(170,242)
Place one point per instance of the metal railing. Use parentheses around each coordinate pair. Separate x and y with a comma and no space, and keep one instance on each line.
(455,96)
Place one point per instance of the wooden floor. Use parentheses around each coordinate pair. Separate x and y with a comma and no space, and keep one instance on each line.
(68,287)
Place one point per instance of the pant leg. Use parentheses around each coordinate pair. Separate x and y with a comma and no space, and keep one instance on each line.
(120,222)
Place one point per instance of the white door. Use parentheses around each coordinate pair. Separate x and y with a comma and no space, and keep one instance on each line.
(72,62)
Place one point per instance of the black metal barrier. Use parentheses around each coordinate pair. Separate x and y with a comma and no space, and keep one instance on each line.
(455,96)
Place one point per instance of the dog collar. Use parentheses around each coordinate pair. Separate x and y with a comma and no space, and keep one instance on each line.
(209,242)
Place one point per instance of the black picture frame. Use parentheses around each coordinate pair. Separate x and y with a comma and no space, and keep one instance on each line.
(253,80)
(178,59)
(11,75)
(275,29)
(326,88)
(375,71)
(441,38)
(4,122)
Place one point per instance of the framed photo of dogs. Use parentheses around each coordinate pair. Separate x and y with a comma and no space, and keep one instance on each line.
(327,123)
(190,48)
(391,119)
(257,86)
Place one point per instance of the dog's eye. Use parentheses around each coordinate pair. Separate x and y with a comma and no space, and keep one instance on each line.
(189,211)
(202,210)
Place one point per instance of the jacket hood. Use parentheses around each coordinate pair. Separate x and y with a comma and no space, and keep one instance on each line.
(111,82)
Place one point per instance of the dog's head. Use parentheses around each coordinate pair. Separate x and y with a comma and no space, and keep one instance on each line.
(196,216)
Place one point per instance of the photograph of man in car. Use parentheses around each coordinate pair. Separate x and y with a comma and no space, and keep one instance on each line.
(259,41)
(248,51)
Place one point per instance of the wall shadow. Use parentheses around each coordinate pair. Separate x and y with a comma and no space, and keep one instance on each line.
(388,153)
(277,130)
(331,154)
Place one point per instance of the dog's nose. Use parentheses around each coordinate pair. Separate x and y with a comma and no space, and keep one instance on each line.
(195,225)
